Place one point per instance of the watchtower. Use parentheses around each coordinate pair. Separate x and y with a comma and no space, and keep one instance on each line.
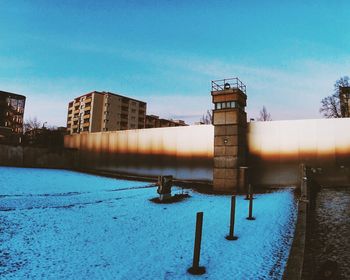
(230,124)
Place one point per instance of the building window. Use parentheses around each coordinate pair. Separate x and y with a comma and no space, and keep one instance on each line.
(224,105)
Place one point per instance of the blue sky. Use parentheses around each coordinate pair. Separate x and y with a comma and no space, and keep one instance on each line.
(288,53)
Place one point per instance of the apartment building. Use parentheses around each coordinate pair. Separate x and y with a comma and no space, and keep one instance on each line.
(104,111)
(11,116)
(153,121)
(344,96)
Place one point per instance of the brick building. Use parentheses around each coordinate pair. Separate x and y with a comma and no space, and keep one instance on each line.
(153,121)
(11,116)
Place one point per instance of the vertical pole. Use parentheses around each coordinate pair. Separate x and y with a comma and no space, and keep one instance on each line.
(249,192)
(196,269)
(232,219)
(250,216)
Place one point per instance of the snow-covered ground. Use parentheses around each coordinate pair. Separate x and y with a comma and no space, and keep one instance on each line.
(57,224)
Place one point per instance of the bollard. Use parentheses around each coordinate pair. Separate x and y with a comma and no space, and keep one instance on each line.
(250,216)
(196,269)
(232,219)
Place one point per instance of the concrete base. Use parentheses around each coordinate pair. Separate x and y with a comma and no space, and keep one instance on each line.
(163,197)
(196,270)
(229,237)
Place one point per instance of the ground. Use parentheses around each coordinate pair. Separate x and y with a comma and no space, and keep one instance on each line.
(328,232)
(57,224)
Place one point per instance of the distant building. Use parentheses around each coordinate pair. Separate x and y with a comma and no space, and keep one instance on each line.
(153,121)
(11,117)
(344,96)
(105,111)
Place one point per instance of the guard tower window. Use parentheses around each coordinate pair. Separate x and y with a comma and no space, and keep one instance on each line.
(224,105)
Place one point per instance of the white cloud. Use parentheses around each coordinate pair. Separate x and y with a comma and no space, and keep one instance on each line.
(293,91)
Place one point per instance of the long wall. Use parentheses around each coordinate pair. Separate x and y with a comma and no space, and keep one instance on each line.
(275,150)
(184,152)
(22,156)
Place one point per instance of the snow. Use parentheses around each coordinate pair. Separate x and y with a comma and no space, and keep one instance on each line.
(57,224)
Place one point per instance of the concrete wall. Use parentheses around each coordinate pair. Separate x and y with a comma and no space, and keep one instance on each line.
(184,152)
(276,149)
(21,156)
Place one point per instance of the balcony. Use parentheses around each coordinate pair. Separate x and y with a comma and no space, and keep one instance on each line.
(86,116)
(87,108)
(124,116)
(86,124)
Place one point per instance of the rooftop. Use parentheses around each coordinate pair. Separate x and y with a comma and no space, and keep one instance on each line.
(12,94)
(231,83)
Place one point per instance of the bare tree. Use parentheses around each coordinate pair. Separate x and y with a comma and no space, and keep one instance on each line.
(264,115)
(330,105)
(207,118)
(32,123)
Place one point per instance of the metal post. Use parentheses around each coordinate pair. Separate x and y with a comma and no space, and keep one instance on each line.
(232,219)
(249,192)
(196,269)
(250,216)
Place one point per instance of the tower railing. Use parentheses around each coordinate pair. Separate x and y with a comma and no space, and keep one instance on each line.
(230,83)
